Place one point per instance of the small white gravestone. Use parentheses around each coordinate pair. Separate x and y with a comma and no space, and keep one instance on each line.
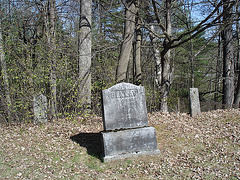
(194,102)
(40,108)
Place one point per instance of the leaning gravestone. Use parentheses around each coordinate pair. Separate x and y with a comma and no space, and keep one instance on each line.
(194,102)
(40,108)
(126,132)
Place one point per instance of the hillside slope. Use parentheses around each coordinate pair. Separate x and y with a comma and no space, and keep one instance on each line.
(204,147)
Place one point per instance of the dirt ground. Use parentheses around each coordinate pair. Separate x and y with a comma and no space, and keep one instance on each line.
(203,147)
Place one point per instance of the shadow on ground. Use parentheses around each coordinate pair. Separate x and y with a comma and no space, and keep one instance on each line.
(91,141)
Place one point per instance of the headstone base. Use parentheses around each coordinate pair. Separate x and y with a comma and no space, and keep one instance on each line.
(128,143)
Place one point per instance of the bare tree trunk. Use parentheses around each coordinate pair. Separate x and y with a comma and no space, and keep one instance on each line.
(218,71)
(163,58)
(157,59)
(85,54)
(137,59)
(166,59)
(127,41)
(192,64)
(52,45)
(228,57)
(237,90)
(8,101)
(50,33)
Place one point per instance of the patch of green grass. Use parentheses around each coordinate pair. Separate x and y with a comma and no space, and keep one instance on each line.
(56,158)
(94,163)
(77,158)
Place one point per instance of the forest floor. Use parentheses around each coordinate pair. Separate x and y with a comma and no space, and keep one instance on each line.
(203,147)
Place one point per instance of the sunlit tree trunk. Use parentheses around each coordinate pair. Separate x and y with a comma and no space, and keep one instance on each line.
(228,57)
(166,59)
(127,41)
(157,58)
(53,81)
(85,54)
(8,101)
(50,32)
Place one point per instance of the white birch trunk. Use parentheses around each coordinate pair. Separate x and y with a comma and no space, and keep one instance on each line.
(157,58)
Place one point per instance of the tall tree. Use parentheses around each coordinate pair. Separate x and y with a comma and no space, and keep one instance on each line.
(7,101)
(156,57)
(126,47)
(228,55)
(137,49)
(85,53)
(237,89)
(51,37)
(166,60)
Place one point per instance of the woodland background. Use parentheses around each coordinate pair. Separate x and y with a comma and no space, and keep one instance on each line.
(70,50)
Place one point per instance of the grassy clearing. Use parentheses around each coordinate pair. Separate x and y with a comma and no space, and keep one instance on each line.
(204,147)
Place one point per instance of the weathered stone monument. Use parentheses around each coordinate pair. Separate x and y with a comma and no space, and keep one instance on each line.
(40,108)
(126,131)
(194,102)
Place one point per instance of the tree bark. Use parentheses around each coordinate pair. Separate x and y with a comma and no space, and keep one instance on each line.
(237,90)
(166,59)
(8,101)
(218,71)
(157,59)
(137,59)
(126,46)
(228,57)
(52,45)
(192,64)
(85,54)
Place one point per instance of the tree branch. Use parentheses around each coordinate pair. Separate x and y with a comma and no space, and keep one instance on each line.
(159,21)
(200,24)
(198,28)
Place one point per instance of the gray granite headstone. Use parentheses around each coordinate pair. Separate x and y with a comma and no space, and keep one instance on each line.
(128,143)
(194,102)
(40,108)
(126,132)
(124,107)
